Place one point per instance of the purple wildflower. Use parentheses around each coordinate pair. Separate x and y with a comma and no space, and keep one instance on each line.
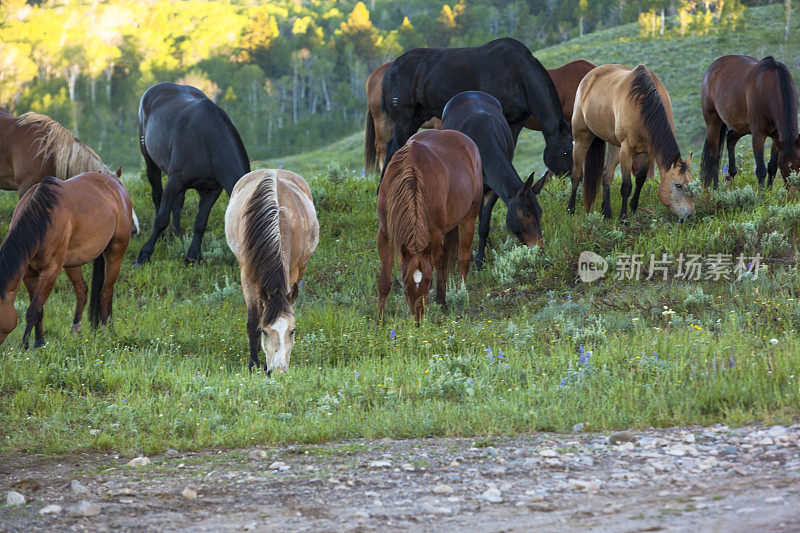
(584,355)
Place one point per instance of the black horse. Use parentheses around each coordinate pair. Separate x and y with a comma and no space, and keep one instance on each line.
(420,82)
(192,140)
(480,116)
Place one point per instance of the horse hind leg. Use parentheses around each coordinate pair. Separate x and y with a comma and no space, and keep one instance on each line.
(81,290)
(758,154)
(732,138)
(41,287)
(772,166)
(207,199)
(112,256)
(444,257)
(173,189)
(712,150)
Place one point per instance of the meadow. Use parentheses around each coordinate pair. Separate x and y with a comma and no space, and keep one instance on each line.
(526,346)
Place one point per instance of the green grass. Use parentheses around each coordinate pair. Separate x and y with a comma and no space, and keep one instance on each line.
(170,371)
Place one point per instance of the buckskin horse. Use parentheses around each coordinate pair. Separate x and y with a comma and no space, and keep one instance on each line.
(479,116)
(741,95)
(64,224)
(631,110)
(271,227)
(192,140)
(427,205)
(34,146)
(420,82)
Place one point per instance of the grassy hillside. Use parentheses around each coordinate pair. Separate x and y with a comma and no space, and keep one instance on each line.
(679,62)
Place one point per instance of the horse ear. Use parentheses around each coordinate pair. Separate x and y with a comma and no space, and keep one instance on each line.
(689,159)
(119,172)
(528,183)
(540,184)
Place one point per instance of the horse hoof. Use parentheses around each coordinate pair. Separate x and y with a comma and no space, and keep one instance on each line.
(194,261)
(75,329)
(141,260)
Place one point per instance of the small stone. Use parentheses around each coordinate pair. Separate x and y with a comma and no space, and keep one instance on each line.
(547,452)
(622,436)
(577,428)
(433,509)
(584,485)
(172,452)
(777,431)
(496,471)
(93,433)
(14,499)
(138,461)
(689,438)
(78,488)
(443,489)
(745,510)
(50,509)
(279,465)
(728,450)
(257,454)
(189,493)
(380,464)
(85,508)
(492,495)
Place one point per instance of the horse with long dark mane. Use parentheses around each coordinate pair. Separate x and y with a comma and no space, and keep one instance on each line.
(741,95)
(427,205)
(192,140)
(64,224)
(616,102)
(271,227)
(479,116)
(420,82)
(34,146)
(379,127)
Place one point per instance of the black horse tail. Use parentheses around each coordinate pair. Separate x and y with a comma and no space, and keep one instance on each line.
(593,170)
(98,277)
(369,144)
(709,166)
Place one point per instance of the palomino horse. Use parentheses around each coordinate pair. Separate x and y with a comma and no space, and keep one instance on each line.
(479,116)
(629,109)
(742,95)
(192,140)
(271,227)
(64,224)
(419,83)
(33,146)
(427,204)
(379,126)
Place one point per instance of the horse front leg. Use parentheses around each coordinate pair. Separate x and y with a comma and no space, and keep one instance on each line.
(489,199)
(207,199)
(579,152)
(612,160)
(175,186)
(641,177)
(758,154)
(386,255)
(626,164)
(35,313)
(732,139)
(772,166)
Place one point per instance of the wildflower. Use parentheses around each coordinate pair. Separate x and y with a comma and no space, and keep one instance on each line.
(773,341)
(489,355)
(584,356)
(500,355)
(392,335)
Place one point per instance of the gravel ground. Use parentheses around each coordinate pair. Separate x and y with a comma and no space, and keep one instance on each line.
(714,479)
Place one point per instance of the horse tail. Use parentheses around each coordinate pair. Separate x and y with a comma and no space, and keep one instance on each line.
(369,144)
(593,171)
(98,279)
(407,217)
(708,166)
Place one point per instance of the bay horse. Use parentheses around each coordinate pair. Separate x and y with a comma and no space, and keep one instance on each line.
(427,205)
(191,139)
(741,95)
(271,227)
(378,125)
(419,83)
(64,224)
(34,146)
(479,116)
(630,109)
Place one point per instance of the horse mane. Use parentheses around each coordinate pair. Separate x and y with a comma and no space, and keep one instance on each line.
(71,156)
(261,248)
(654,117)
(24,239)
(788,97)
(407,217)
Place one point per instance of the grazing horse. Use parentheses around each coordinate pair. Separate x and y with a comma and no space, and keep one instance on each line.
(420,82)
(427,204)
(64,224)
(192,140)
(34,146)
(479,116)
(631,110)
(271,227)
(742,95)
(379,127)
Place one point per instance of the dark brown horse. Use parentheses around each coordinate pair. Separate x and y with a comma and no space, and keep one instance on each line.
(64,224)
(427,204)
(741,95)
(34,146)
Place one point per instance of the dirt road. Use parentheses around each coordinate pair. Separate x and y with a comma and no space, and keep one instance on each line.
(702,479)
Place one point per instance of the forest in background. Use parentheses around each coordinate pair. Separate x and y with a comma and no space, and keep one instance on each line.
(289,72)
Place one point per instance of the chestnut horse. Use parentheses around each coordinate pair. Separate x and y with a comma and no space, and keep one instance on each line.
(64,224)
(33,146)
(629,109)
(742,95)
(427,204)
(271,227)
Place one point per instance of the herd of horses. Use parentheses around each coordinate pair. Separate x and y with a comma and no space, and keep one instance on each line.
(434,184)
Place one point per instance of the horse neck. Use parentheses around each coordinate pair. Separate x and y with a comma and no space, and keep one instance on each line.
(550,117)
(500,176)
